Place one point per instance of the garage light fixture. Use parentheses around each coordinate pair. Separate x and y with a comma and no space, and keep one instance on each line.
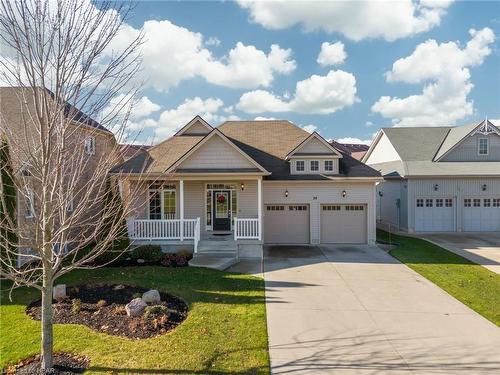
(242,186)
(380,194)
(484,187)
(344,193)
(286,193)
(436,186)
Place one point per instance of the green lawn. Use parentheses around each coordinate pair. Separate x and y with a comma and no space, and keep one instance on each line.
(225,332)
(470,283)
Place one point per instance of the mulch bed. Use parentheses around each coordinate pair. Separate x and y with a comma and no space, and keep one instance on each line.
(112,318)
(64,364)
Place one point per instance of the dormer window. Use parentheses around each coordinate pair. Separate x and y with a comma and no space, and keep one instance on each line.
(314,165)
(482,146)
(90,145)
(328,165)
(300,165)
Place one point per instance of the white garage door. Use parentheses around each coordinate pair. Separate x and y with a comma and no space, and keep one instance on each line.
(286,224)
(434,215)
(481,214)
(343,223)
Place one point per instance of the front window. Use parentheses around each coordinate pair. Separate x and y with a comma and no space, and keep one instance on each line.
(314,165)
(162,202)
(29,209)
(300,165)
(328,165)
(90,145)
(483,146)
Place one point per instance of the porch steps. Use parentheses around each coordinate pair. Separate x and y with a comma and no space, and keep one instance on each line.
(216,254)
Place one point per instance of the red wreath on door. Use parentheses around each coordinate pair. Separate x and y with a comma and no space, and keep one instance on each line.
(221,198)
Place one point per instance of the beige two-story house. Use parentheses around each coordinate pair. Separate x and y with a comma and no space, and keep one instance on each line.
(248,183)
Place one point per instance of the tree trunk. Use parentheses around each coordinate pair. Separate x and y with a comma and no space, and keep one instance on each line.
(47,328)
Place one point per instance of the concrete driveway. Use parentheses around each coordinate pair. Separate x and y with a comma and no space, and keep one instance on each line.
(481,248)
(356,310)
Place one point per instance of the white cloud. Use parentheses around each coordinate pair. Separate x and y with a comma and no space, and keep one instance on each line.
(121,104)
(331,54)
(310,128)
(262,118)
(213,41)
(443,69)
(495,122)
(173,53)
(354,140)
(316,94)
(356,20)
(369,124)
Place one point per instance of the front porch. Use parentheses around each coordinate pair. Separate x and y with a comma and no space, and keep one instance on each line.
(212,218)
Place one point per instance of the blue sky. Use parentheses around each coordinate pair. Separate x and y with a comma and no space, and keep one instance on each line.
(454,82)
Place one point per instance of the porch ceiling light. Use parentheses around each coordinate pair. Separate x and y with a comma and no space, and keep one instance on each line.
(344,193)
(286,193)
(242,186)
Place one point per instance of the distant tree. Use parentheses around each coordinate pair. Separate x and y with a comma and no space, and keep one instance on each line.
(61,57)
(8,206)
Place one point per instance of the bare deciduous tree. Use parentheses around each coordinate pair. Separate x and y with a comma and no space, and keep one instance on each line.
(58,55)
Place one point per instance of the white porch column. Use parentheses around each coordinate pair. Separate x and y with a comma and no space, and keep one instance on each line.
(181,207)
(259,198)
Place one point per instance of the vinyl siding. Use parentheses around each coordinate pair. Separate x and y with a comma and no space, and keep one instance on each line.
(313,145)
(468,149)
(315,194)
(216,153)
(383,152)
(458,189)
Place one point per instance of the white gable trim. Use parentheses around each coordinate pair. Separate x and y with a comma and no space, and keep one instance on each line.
(215,132)
(196,119)
(318,137)
(483,128)
(374,144)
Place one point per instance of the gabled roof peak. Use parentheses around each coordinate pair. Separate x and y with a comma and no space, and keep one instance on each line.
(198,125)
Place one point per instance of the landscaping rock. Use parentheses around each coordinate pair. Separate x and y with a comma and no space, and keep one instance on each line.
(135,307)
(140,261)
(59,291)
(119,287)
(151,296)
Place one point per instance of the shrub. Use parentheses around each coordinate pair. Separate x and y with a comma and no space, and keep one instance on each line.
(137,295)
(185,253)
(153,312)
(101,303)
(174,260)
(150,253)
(76,305)
(181,261)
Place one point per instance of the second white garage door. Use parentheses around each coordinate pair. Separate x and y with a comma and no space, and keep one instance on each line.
(434,215)
(343,223)
(481,214)
(286,224)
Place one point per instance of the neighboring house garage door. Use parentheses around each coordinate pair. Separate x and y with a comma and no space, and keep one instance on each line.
(343,223)
(286,223)
(481,214)
(435,215)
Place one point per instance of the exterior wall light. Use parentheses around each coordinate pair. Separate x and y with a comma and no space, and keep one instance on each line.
(242,186)
(286,193)
(344,193)
(436,187)
(484,187)
(380,194)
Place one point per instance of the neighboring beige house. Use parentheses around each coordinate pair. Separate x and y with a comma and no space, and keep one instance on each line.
(438,179)
(246,183)
(95,141)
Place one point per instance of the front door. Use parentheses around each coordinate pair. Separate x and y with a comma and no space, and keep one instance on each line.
(222,210)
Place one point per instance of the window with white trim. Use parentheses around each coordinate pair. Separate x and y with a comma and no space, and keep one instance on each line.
(420,202)
(448,202)
(496,202)
(439,202)
(486,202)
(482,146)
(162,202)
(328,165)
(428,203)
(467,202)
(90,145)
(476,202)
(29,209)
(314,165)
(300,165)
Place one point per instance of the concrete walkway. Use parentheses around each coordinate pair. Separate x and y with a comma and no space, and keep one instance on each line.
(481,248)
(356,310)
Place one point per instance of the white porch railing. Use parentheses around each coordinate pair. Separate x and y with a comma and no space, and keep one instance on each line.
(246,229)
(197,234)
(162,229)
